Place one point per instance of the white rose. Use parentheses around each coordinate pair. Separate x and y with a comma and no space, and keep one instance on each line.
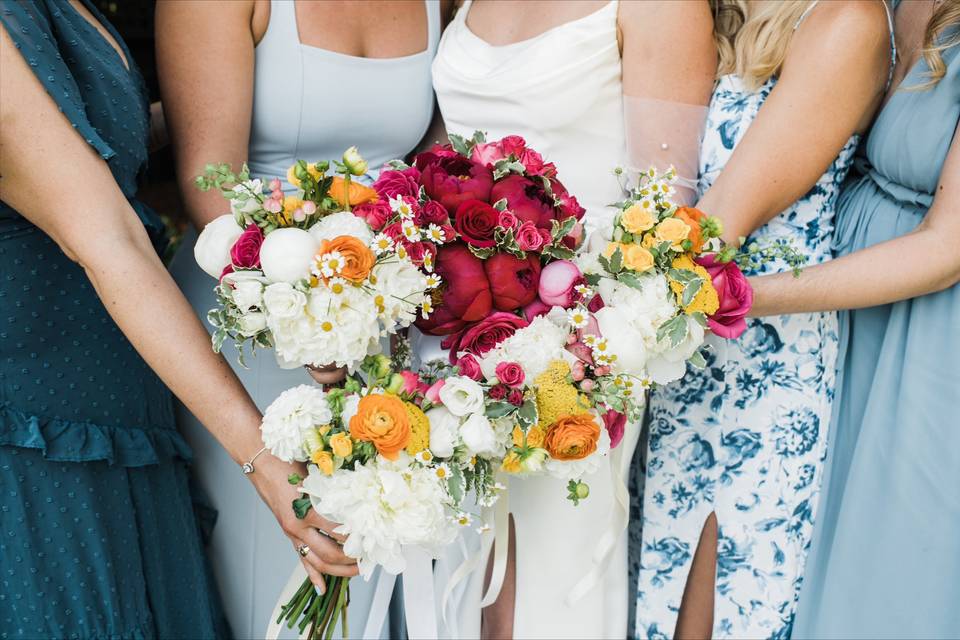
(286,255)
(478,435)
(212,250)
(281,300)
(342,223)
(247,293)
(443,431)
(252,323)
(247,202)
(462,396)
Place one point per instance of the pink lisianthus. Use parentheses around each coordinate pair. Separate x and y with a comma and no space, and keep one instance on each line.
(616,424)
(558,283)
(735,295)
(510,374)
(468,366)
(245,253)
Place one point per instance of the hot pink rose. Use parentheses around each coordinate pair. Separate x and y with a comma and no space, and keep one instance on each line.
(411,382)
(433,392)
(507,220)
(245,253)
(516,397)
(513,282)
(481,337)
(395,183)
(453,179)
(616,424)
(529,237)
(476,221)
(558,282)
(735,294)
(375,214)
(465,295)
(510,374)
(469,367)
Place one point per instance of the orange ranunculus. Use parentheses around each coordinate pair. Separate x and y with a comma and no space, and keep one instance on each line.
(692,217)
(359,194)
(382,419)
(357,258)
(572,437)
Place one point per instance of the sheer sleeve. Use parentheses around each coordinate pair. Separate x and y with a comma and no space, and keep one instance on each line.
(29,26)
(661,134)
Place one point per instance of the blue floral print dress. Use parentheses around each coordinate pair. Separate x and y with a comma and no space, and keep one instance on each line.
(746,436)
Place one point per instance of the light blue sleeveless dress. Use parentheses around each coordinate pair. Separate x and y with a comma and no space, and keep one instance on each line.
(885,562)
(308,103)
(746,436)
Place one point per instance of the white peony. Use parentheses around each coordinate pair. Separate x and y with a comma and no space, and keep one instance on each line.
(246,203)
(383,506)
(478,436)
(342,223)
(576,469)
(289,416)
(252,323)
(444,427)
(402,286)
(287,254)
(462,396)
(212,250)
(534,347)
(282,300)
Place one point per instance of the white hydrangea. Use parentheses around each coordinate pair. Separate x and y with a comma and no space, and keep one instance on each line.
(402,287)
(342,223)
(287,418)
(534,347)
(383,506)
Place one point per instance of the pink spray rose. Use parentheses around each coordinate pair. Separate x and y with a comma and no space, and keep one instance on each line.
(374,214)
(529,237)
(507,220)
(245,253)
(433,393)
(469,367)
(735,294)
(498,392)
(558,282)
(510,374)
(516,397)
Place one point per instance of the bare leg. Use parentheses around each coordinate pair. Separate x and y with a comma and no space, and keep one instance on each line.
(497,619)
(695,621)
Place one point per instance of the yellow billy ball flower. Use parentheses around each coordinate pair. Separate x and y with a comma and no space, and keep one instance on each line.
(419,429)
(556,396)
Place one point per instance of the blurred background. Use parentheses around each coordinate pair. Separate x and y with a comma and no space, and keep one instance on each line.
(134,20)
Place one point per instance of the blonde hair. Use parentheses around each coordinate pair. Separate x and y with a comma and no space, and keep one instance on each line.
(944,17)
(752,39)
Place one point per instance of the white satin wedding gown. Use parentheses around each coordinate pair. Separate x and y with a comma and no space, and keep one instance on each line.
(562,92)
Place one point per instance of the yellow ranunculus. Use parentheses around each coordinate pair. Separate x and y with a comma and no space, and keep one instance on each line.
(323,460)
(341,444)
(419,429)
(534,436)
(706,301)
(638,259)
(637,218)
(673,230)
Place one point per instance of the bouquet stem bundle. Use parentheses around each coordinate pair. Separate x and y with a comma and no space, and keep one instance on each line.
(318,612)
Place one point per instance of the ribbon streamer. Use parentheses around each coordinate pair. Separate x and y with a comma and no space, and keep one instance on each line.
(380,605)
(419,600)
(501,545)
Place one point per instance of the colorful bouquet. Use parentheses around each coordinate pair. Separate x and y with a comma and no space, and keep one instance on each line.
(392,460)
(304,274)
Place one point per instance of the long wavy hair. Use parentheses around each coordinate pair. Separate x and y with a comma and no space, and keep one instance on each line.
(938,38)
(752,39)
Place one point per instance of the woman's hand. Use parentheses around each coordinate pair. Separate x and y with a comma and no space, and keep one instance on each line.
(329,374)
(325,554)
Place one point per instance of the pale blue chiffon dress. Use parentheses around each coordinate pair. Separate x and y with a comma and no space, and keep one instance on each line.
(885,561)
(308,103)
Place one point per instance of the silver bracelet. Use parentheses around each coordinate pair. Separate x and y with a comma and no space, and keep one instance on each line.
(247,467)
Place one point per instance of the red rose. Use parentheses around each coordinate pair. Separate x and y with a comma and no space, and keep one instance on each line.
(245,253)
(568,204)
(516,397)
(452,179)
(513,282)
(735,294)
(498,392)
(396,182)
(527,199)
(469,367)
(476,221)
(616,424)
(510,374)
(375,214)
(483,336)
(466,293)
(433,212)
(529,237)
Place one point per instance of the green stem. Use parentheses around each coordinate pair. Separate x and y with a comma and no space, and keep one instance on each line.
(346,190)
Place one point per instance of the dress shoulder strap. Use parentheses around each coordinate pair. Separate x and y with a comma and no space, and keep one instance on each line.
(803,16)
(433,23)
(282,24)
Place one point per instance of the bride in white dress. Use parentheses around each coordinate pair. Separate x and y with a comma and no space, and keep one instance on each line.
(591,85)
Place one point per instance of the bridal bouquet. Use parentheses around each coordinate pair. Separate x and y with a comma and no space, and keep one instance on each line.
(305,273)
(391,459)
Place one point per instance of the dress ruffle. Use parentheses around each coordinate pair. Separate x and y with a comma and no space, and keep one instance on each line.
(72,441)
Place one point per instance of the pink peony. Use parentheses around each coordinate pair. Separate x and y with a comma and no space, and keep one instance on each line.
(245,253)
(513,282)
(451,179)
(558,282)
(535,309)
(735,294)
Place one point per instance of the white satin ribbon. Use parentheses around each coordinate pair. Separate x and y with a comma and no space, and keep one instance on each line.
(501,543)
(619,518)
(419,600)
(383,592)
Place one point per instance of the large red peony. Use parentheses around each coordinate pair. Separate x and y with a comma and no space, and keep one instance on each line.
(451,179)
(513,282)
(466,295)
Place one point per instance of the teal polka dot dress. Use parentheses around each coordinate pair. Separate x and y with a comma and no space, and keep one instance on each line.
(98,537)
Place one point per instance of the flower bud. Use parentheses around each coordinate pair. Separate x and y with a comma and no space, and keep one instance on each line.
(354,161)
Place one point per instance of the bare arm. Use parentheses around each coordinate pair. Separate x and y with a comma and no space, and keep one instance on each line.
(829,87)
(205,62)
(86,214)
(917,263)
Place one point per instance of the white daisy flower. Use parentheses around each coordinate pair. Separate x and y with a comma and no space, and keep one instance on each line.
(578,317)
(329,264)
(436,234)
(401,207)
(433,281)
(410,231)
(382,243)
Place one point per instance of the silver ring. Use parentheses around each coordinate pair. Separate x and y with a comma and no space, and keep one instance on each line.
(303,550)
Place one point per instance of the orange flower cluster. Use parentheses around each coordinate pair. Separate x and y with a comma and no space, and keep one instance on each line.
(382,419)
